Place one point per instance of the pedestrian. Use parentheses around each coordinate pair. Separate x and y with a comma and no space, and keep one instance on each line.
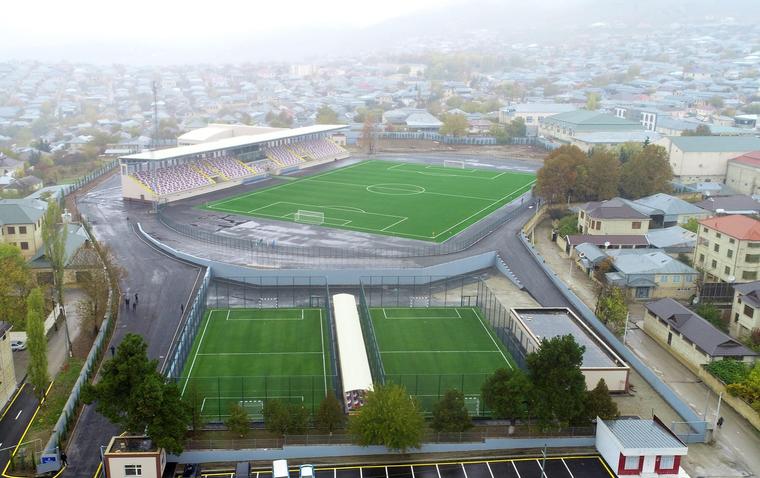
(182,308)
(113,350)
(127,301)
(64,458)
(720,422)
(134,306)
(136,298)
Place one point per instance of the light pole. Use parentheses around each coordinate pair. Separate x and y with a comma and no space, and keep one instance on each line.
(625,329)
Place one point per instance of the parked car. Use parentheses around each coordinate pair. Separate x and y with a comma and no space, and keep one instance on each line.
(190,471)
(307,471)
(17,345)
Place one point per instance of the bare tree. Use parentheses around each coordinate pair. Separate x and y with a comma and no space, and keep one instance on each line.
(368,139)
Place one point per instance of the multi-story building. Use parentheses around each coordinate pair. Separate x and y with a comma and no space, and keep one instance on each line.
(21,224)
(7,370)
(566,127)
(705,158)
(728,248)
(745,312)
(743,173)
(614,216)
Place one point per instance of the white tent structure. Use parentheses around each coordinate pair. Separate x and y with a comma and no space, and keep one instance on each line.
(354,364)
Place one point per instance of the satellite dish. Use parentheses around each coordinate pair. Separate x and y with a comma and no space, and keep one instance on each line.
(581,255)
(731,279)
(606,244)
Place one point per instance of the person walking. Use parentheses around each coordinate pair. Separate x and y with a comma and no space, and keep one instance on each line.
(181,307)
(64,458)
(720,422)
(113,350)
(134,306)
(136,298)
(127,301)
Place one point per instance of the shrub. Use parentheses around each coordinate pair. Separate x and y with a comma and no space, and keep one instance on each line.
(729,371)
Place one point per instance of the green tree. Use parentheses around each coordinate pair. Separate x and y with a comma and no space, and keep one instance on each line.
(389,417)
(450,414)
(559,386)
(592,101)
(712,314)
(564,175)
(326,115)
(238,421)
(14,285)
(691,225)
(701,130)
(604,169)
(37,342)
(599,403)
(568,225)
(194,400)
(516,128)
(54,235)
(285,418)
(627,150)
(133,395)
(749,388)
(612,308)
(507,393)
(454,125)
(330,415)
(716,102)
(646,173)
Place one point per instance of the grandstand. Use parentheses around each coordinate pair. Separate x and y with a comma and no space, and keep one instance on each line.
(232,155)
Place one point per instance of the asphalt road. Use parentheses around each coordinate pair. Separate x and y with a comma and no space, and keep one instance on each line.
(14,422)
(162,284)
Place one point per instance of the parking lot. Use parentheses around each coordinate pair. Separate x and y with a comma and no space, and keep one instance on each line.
(590,466)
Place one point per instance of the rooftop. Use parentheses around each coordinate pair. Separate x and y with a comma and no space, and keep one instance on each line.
(614,240)
(696,329)
(715,144)
(750,159)
(4,327)
(585,120)
(131,444)
(647,261)
(670,204)
(750,292)
(615,208)
(737,226)
(730,204)
(643,434)
(21,211)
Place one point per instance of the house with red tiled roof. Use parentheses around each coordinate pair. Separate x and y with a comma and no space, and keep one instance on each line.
(728,248)
(743,173)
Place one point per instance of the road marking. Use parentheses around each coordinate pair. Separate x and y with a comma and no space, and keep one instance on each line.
(10,404)
(515,467)
(567,468)
(488,465)
(18,414)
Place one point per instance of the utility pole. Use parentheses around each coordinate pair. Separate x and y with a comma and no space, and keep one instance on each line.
(155,114)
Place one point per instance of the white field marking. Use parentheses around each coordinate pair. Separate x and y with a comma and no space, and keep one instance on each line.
(395,223)
(339,208)
(248,399)
(228,314)
(322,340)
(346,208)
(223,354)
(478,212)
(413,317)
(192,364)
(425,191)
(567,468)
(515,467)
(19,414)
(253,193)
(492,339)
(440,351)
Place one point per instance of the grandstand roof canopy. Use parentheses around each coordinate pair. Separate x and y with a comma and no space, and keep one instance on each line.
(234,142)
(354,364)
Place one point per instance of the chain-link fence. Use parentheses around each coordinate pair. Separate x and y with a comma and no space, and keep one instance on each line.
(268,251)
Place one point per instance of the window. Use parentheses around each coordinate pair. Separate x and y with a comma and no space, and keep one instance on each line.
(731,240)
(752,258)
(581,214)
(753,245)
(748,311)
(22,229)
(749,275)
(718,235)
(677,279)
(736,318)
(716,247)
(632,462)
(714,264)
(729,253)
(132,470)
(701,258)
(598,225)
(11,230)
(24,246)
(667,462)
(636,225)
(663,279)
(726,270)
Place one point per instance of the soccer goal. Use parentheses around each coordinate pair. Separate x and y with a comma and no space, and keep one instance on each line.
(309,217)
(453,164)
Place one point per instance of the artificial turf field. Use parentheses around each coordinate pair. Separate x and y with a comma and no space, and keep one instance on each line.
(415,201)
(246,356)
(431,350)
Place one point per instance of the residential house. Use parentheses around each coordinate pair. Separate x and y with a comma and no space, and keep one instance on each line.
(728,248)
(21,224)
(638,448)
(613,216)
(533,114)
(603,241)
(25,185)
(743,173)
(651,273)
(673,240)
(705,158)
(7,368)
(745,311)
(79,258)
(666,210)
(689,337)
(734,204)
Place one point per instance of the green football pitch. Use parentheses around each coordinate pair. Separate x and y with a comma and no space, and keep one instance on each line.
(432,350)
(415,201)
(246,356)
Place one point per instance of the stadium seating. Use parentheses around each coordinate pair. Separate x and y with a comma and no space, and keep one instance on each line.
(283,156)
(228,167)
(309,150)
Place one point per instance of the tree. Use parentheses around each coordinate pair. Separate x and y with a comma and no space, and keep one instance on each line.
(326,115)
(712,314)
(454,125)
(506,393)
(604,170)
(627,150)
(194,400)
(238,421)
(368,139)
(92,306)
(568,225)
(14,285)
(607,265)
(330,414)
(54,234)
(559,386)
(133,395)
(611,307)
(285,418)
(37,342)
(716,102)
(450,414)
(564,175)
(646,173)
(701,130)
(516,128)
(599,403)
(691,225)
(389,417)
(592,101)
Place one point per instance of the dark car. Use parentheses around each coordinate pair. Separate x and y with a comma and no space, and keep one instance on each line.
(191,471)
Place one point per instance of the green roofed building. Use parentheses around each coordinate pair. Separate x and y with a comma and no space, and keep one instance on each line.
(705,158)
(587,129)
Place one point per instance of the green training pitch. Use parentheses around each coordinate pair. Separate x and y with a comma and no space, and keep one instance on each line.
(246,356)
(432,350)
(415,201)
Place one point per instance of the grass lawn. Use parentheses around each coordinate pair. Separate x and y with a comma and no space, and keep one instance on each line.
(55,401)
(416,201)
(431,350)
(247,356)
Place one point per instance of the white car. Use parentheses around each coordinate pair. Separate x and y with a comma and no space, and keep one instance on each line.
(17,345)
(307,471)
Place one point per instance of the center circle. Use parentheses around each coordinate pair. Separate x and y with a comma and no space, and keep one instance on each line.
(396,189)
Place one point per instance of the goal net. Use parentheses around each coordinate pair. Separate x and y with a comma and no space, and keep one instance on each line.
(453,164)
(310,217)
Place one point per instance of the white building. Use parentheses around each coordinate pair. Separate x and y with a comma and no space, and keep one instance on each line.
(705,158)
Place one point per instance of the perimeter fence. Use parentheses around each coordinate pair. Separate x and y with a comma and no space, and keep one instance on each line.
(266,248)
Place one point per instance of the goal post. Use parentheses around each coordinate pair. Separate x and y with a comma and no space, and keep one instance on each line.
(309,217)
(450,163)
